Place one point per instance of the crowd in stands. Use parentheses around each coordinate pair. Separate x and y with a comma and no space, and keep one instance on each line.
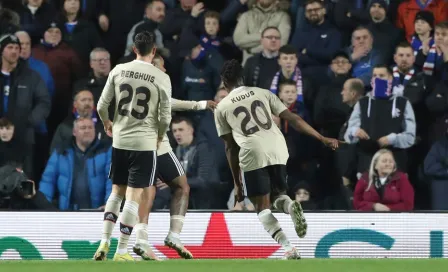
(321,57)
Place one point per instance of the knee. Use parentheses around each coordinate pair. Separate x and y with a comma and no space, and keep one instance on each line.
(181,184)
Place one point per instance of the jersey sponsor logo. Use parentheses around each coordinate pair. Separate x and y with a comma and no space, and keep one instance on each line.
(137,75)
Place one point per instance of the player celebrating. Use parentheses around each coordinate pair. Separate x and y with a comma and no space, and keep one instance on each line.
(171,172)
(256,145)
(141,119)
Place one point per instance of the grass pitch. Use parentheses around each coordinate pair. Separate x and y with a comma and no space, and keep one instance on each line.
(312,265)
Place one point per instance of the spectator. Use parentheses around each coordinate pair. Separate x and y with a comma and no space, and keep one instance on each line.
(35,16)
(437,104)
(261,68)
(302,194)
(385,35)
(352,92)
(383,188)
(362,54)
(90,10)
(100,68)
(289,70)
(25,100)
(65,67)
(200,79)
(77,171)
(229,16)
(154,15)
(408,9)
(83,107)
(436,169)
(322,40)
(434,59)
(330,111)
(381,120)
(260,17)
(424,30)
(79,34)
(198,161)
(348,15)
(42,141)
(12,149)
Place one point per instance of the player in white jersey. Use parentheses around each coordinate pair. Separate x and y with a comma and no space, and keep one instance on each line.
(142,117)
(170,171)
(256,148)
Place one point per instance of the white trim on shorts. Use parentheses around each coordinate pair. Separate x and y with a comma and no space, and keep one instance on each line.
(154,168)
(177,163)
(243,181)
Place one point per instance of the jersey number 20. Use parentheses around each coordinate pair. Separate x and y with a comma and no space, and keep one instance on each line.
(253,114)
(140,102)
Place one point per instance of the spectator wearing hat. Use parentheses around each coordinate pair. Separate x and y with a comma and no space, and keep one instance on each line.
(424,30)
(407,11)
(385,35)
(9,21)
(65,67)
(302,194)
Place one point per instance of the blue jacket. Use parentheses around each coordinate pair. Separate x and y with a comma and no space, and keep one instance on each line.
(363,67)
(58,175)
(42,69)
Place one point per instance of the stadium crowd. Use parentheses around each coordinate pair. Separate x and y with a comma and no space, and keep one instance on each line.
(321,57)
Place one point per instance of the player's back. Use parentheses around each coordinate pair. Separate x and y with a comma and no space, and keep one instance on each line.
(138,88)
(248,111)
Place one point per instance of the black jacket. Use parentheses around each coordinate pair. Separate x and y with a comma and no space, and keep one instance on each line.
(29,101)
(36,24)
(385,38)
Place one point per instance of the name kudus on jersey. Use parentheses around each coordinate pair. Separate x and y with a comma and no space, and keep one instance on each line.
(242,97)
(137,75)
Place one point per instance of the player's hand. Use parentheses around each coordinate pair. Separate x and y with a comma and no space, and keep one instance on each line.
(361,134)
(211,105)
(108,127)
(331,143)
(383,141)
(378,207)
(197,10)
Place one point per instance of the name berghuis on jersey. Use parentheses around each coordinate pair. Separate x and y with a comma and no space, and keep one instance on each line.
(242,97)
(137,75)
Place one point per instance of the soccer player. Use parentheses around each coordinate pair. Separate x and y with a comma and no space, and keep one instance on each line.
(141,119)
(171,172)
(256,147)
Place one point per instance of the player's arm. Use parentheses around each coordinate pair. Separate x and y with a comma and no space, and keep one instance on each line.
(165,107)
(232,152)
(184,105)
(280,110)
(103,103)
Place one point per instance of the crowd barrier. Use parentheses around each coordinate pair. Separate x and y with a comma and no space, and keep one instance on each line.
(76,235)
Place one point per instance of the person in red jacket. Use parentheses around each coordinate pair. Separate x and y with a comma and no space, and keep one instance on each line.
(383,188)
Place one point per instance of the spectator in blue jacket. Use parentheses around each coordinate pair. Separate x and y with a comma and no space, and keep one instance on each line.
(362,55)
(78,171)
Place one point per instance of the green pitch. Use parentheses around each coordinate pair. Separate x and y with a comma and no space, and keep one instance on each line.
(312,265)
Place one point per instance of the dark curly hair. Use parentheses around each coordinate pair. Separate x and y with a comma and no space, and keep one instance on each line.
(144,42)
(232,74)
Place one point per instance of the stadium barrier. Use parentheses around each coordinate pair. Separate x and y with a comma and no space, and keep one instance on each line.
(75,235)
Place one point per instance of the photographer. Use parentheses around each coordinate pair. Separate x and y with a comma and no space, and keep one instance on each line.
(17,192)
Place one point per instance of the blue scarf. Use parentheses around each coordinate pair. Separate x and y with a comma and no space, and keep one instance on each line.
(431,61)
(381,88)
(208,42)
(200,57)
(417,44)
(296,76)
(421,5)
(94,116)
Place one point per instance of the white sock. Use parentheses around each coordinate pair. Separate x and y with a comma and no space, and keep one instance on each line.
(272,226)
(284,204)
(128,220)
(176,224)
(141,233)
(111,213)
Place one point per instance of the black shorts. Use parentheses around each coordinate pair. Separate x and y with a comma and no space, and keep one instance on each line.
(169,167)
(136,169)
(270,179)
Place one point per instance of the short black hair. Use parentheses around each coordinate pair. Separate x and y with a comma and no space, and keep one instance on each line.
(309,2)
(442,25)
(358,86)
(385,66)
(180,119)
(287,50)
(286,82)
(404,44)
(144,42)
(232,74)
